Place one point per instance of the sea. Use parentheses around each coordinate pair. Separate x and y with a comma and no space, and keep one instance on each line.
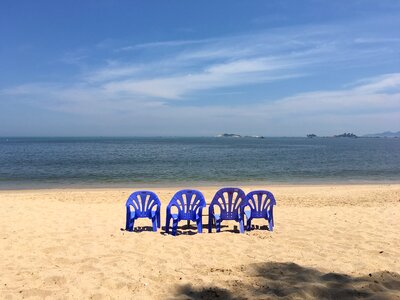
(193,161)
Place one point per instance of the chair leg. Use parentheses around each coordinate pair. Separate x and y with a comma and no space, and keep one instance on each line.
(249,224)
(132,225)
(210,221)
(158,219)
(154,221)
(167,224)
(174,227)
(200,226)
(128,224)
(271,225)
(241,225)
(218,225)
(271,214)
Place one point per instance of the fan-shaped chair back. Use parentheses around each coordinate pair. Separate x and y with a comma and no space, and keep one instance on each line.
(189,205)
(188,202)
(143,202)
(261,205)
(229,201)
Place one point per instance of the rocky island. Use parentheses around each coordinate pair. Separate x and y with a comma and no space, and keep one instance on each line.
(346,135)
(233,135)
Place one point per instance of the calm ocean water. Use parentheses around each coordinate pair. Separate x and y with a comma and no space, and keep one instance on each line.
(47,162)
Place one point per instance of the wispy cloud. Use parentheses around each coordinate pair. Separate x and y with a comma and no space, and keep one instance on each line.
(359,107)
(233,73)
(111,73)
(184,67)
(377,94)
(375,40)
(175,43)
(149,85)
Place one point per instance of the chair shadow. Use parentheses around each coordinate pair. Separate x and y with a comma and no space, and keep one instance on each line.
(225,228)
(192,229)
(235,228)
(187,229)
(139,229)
(259,227)
(292,281)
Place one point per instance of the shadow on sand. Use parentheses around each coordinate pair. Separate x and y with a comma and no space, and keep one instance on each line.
(291,281)
(191,229)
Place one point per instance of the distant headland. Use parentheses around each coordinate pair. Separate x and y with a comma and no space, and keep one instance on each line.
(387,134)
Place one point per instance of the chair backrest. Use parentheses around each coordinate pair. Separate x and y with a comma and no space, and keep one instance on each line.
(260,203)
(188,202)
(229,200)
(143,202)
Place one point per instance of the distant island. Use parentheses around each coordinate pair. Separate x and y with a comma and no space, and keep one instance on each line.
(386,134)
(234,135)
(346,135)
(229,135)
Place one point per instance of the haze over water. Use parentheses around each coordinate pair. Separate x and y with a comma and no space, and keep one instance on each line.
(59,162)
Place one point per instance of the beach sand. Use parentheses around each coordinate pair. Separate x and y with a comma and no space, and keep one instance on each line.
(330,241)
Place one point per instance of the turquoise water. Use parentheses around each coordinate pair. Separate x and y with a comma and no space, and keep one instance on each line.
(55,162)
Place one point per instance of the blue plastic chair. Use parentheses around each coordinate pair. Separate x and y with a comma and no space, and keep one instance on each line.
(261,205)
(142,204)
(230,202)
(189,204)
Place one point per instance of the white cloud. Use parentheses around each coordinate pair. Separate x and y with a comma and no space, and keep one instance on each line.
(111,73)
(147,88)
(175,43)
(369,106)
(234,73)
(388,82)
(375,40)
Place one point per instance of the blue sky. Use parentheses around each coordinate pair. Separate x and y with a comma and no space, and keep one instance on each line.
(199,68)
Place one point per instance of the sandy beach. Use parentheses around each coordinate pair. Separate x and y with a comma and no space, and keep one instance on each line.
(330,241)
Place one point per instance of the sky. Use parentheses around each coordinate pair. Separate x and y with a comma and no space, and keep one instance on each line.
(199,68)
